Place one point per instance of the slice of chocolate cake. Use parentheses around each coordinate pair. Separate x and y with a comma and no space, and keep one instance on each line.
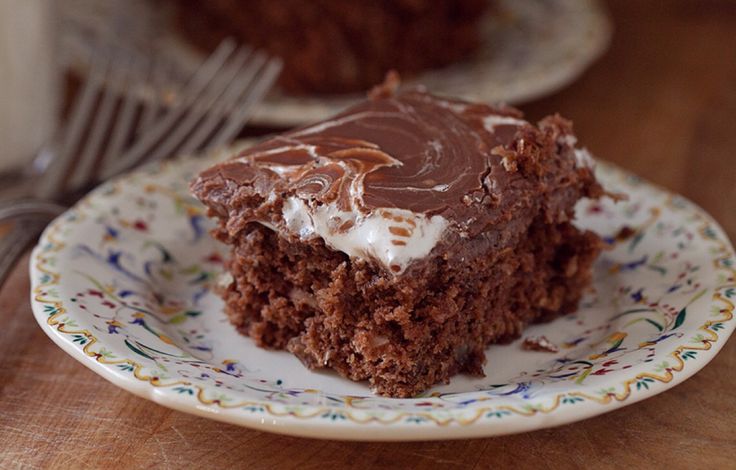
(395,241)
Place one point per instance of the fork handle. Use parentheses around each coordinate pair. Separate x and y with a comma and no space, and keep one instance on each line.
(29,208)
(15,236)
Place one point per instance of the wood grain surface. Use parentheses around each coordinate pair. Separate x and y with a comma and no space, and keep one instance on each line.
(662,103)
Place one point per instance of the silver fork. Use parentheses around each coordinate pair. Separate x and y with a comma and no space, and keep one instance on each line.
(209,111)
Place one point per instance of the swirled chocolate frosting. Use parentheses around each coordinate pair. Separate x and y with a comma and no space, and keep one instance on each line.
(391,178)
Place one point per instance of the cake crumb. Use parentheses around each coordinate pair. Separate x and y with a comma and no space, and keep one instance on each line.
(508,158)
(388,88)
(539,343)
(625,233)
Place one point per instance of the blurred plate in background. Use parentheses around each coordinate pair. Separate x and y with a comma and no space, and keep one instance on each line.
(530,49)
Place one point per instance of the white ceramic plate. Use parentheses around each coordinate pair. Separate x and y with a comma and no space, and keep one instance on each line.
(121,283)
(531,48)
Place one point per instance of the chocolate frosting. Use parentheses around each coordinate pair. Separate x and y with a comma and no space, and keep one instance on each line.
(425,164)
(412,151)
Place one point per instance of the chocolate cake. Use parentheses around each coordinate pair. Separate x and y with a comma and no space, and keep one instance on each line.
(334,46)
(395,241)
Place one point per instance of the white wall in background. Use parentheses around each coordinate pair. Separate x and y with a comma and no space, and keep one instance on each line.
(29,86)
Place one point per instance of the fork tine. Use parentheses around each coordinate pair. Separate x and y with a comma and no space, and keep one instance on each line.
(197,84)
(220,111)
(100,126)
(53,177)
(159,75)
(208,70)
(123,124)
(214,113)
(200,107)
(248,77)
(236,122)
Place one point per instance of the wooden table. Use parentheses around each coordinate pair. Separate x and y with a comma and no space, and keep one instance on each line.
(662,103)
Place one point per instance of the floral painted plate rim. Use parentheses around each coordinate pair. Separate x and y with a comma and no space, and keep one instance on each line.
(359,418)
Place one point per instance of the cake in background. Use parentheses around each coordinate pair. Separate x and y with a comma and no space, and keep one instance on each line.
(339,46)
